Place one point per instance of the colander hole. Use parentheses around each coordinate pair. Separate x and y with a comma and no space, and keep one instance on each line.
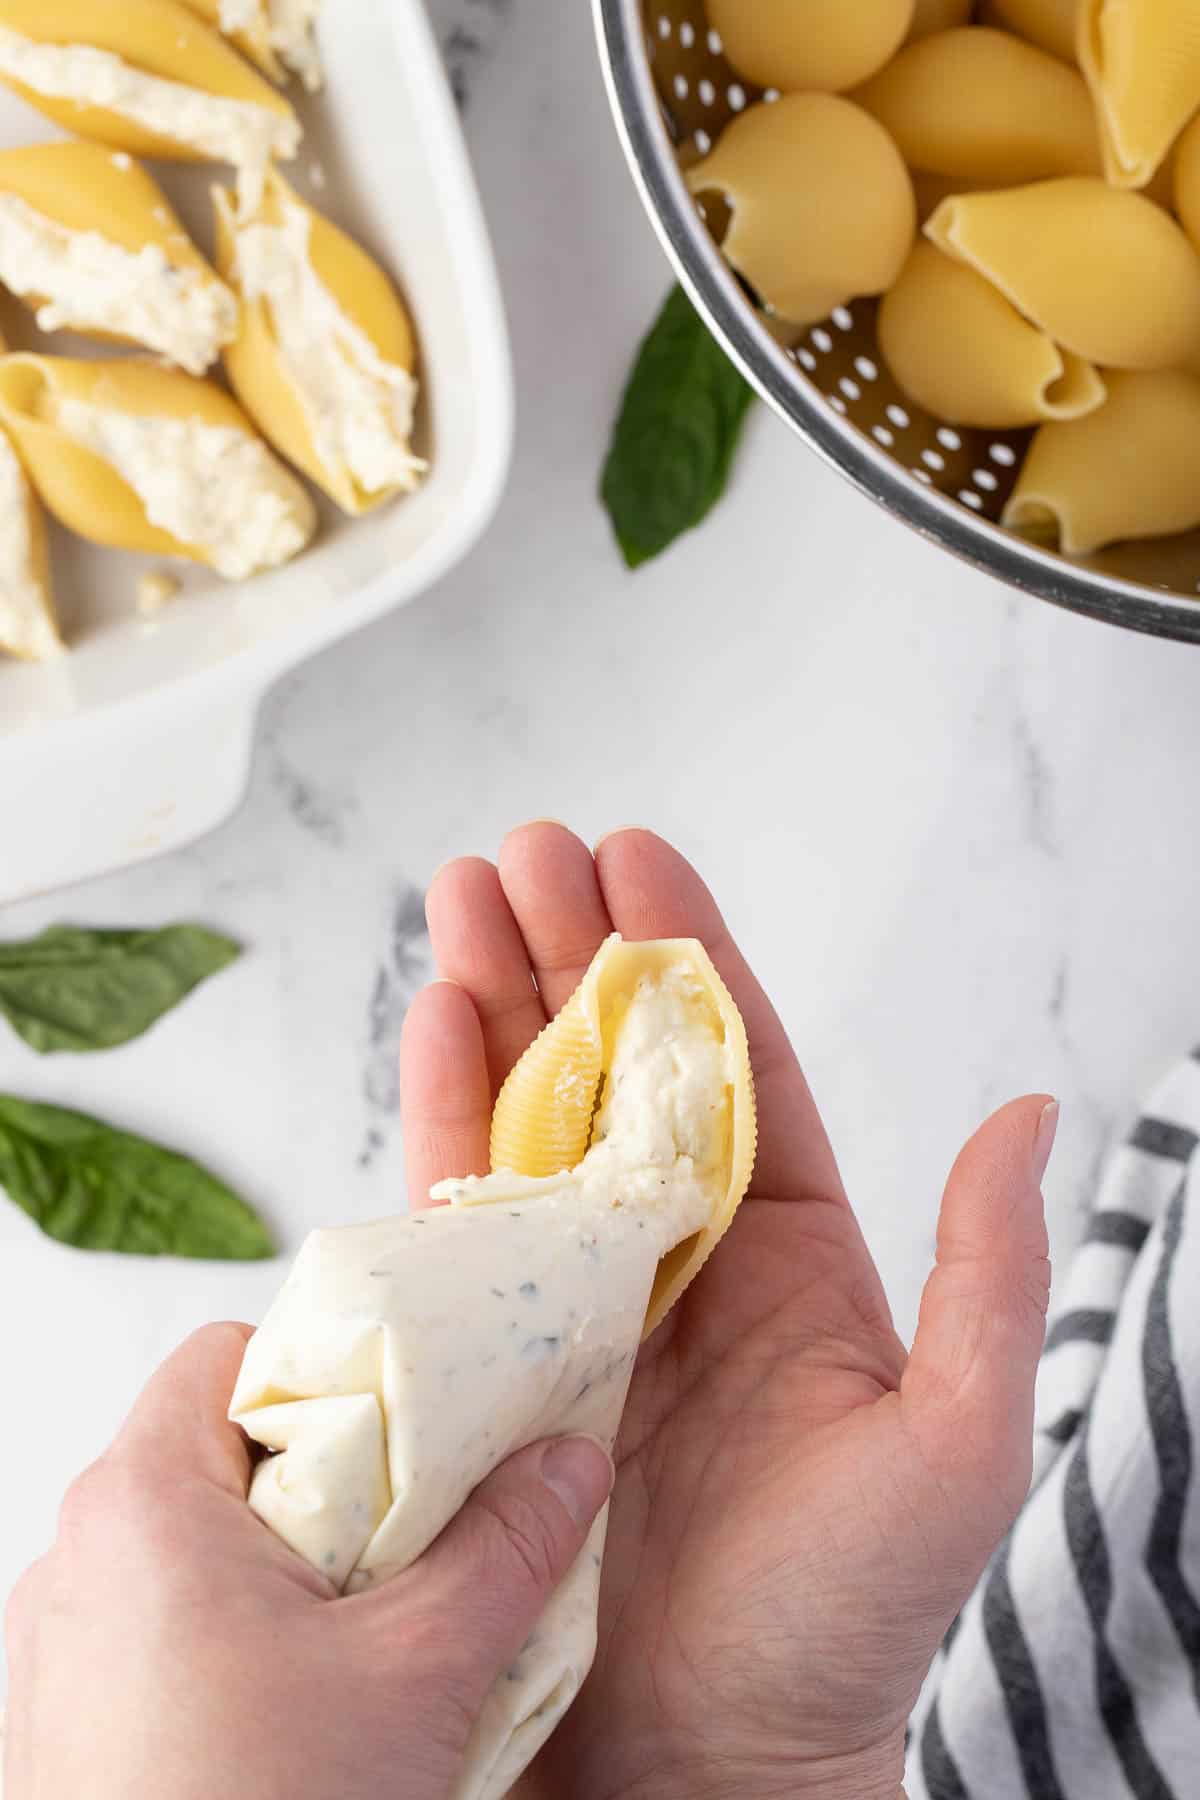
(806,359)
(898,417)
(680,84)
(933,459)
(687,34)
(736,96)
(1004,454)
(866,368)
(770,94)
(714,43)
(664,26)
(971,499)
(843,319)
(924,475)
(821,338)
(702,140)
(838,404)
(850,388)
(706,91)
(985,479)
(883,436)
(949,440)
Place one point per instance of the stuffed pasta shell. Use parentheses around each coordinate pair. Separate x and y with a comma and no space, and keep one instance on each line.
(323,361)
(28,621)
(139,457)
(89,241)
(275,34)
(146,76)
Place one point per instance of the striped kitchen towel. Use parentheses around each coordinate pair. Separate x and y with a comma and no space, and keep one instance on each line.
(1073,1672)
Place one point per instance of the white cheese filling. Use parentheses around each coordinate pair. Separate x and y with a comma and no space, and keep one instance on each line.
(234,131)
(26,626)
(289,28)
(87,283)
(211,486)
(359,407)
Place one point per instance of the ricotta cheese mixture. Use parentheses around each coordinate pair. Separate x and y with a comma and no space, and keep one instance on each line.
(88,283)
(25,624)
(359,408)
(234,131)
(289,26)
(210,486)
(434,1346)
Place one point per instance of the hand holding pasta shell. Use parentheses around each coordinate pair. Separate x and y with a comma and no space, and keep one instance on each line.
(140,457)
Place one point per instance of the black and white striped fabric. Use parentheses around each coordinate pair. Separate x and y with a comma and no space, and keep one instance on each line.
(1073,1673)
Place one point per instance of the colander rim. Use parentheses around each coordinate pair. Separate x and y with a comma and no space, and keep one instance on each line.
(716,295)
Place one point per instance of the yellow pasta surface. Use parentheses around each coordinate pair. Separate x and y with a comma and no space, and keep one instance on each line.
(28,616)
(983,106)
(938,15)
(821,204)
(1142,63)
(1187,181)
(252,39)
(826,45)
(1129,470)
(1047,23)
(1105,272)
(960,350)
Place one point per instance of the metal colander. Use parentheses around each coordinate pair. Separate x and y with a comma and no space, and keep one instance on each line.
(672,92)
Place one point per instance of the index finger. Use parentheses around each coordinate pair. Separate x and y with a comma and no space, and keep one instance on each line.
(179,1420)
(651,891)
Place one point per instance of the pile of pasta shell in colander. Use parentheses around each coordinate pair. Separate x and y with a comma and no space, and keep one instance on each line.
(1018,182)
(147,451)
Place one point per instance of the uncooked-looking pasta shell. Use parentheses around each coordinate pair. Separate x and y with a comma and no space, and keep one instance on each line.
(822,206)
(984,107)
(543,1115)
(1106,273)
(823,45)
(158,37)
(1129,470)
(1048,23)
(1187,181)
(963,352)
(938,15)
(1142,63)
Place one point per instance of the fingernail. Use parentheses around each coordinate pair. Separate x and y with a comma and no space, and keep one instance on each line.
(579,1471)
(1043,1142)
(616,832)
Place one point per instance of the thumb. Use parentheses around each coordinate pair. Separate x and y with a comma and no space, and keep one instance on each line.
(967,1391)
(484,1583)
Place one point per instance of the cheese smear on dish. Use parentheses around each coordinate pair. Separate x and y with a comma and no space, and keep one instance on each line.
(211,486)
(234,131)
(26,627)
(289,26)
(85,282)
(432,1347)
(359,408)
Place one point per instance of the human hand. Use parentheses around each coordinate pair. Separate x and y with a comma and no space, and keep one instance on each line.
(800,1507)
(170,1646)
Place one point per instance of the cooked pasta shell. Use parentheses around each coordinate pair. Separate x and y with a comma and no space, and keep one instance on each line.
(146,76)
(1047,23)
(1187,182)
(1129,470)
(821,204)
(324,354)
(1106,273)
(88,240)
(275,34)
(28,622)
(980,105)
(545,1108)
(938,15)
(140,457)
(825,45)
(1142,64)
(959,349)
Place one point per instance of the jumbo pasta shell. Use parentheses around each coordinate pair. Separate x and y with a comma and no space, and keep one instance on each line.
(938,15)
(89,91)
(545,1109)
(1048,23)
(1142,63)
(28,618)
(825,45)
(42,399)
(253,38)
(277,35)
(277,389)
(82,221)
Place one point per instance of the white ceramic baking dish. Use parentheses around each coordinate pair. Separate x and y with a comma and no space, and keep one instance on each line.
(140,739)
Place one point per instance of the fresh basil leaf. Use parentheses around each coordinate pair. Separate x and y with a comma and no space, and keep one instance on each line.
(674,439)
(75,989)
(96,1188)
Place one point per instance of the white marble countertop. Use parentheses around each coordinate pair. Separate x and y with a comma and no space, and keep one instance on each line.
(948,824)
